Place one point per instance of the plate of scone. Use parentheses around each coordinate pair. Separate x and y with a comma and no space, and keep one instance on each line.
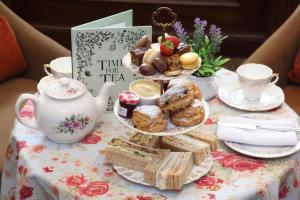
(178,110)
(167,162)
(161,61)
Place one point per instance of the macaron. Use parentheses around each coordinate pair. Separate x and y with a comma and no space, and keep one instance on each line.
(189,60)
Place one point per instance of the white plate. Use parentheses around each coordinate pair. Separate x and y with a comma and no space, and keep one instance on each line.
(138,177)
(43,83)
(171,129)
(157,76)
(232,95)
(264,151)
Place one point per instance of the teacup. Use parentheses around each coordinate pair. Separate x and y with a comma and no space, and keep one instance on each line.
(59,67)
(254,79)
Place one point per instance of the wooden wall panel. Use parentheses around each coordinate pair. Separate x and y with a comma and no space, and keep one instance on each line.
(247,23)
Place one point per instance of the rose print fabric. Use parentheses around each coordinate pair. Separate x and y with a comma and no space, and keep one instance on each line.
(36,168)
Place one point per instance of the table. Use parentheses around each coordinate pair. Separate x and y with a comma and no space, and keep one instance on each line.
(36,168)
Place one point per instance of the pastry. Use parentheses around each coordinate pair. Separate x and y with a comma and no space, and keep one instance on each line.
(189,60)
(170,172)
(172,73)
(175,98)
(137,55)
(188,83)
(186,143)
(149,118)
(190,115)
(173,62)
(211,139)
(182,48)
(150,55)
(130,155)
(143,42)
(151,141)
(160,64)
(147,69)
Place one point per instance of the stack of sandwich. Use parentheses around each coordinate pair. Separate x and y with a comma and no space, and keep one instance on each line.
(165,161)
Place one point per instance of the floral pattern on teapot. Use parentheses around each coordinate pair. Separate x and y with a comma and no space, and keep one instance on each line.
(73,124)
(71,91)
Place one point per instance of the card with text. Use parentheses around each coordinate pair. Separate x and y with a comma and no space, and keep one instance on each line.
(98,48)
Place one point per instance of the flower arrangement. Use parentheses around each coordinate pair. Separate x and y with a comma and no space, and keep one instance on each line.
(206,45)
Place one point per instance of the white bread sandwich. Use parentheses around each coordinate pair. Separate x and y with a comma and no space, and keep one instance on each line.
(130,155)
(171,172)
(186,143)
(211,139)
(151,141)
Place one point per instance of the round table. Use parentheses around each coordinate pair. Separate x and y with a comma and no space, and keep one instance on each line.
(36,168)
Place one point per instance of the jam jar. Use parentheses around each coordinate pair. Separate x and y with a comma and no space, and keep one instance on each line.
(127,102)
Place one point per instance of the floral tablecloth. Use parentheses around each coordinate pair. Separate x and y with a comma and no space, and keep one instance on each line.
(36,168)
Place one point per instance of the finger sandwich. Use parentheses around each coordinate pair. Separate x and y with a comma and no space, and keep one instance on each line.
(186,143)
(170,172)
(130,155)
(211,139)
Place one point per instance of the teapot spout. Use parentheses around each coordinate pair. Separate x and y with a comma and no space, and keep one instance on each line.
(102,98)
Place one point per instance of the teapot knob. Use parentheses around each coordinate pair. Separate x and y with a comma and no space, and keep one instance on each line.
(64,82)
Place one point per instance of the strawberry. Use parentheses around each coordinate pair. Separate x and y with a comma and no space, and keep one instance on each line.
(166,48)
(174,40)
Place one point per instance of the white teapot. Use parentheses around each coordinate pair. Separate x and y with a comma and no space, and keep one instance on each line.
(65,111)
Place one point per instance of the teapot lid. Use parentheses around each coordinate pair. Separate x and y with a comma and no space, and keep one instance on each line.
(65,88)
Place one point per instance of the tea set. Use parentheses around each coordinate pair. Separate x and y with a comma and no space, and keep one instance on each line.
(65,111)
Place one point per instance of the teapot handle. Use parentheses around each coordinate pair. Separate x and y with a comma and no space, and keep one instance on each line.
(22,98)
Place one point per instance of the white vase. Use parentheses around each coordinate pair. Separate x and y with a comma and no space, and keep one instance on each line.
(207,86)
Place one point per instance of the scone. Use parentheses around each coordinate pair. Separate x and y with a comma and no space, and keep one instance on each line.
(188,83)
(176,98)
(190,115)
(149,118)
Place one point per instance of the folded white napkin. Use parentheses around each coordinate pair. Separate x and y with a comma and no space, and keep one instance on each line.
(257,136)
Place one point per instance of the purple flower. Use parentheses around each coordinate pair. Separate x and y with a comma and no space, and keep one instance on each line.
(66,124)
(215,38)
(198,34)
(180,32)
(215,32)
(200,25)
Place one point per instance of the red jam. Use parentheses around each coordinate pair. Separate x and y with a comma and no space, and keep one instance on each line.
(127,102)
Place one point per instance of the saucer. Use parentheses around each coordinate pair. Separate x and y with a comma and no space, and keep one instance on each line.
(232,95)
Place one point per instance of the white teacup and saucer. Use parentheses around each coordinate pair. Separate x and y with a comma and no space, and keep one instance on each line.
(255,89)
(57,68)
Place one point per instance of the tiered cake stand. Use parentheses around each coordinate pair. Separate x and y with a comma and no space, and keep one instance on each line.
(197,171)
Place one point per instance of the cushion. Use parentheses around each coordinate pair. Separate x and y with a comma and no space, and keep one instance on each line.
(294,75)
(9,92)
(12,61)
(292,96)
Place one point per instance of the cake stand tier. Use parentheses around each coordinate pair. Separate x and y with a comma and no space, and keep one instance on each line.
(171,128)
(157,76)
(138,177)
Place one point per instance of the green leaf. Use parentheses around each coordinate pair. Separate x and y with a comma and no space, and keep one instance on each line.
(223,61)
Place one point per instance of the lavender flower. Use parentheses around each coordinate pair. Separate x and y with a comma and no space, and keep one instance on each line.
(215,38)
(200,25)
(180,32)
(198,34)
